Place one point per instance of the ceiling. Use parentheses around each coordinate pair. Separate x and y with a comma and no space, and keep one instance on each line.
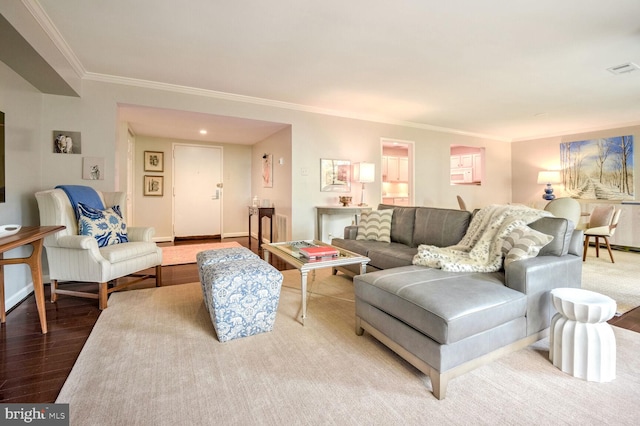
(504,69)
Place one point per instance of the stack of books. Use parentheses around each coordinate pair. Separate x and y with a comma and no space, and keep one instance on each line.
(318,252)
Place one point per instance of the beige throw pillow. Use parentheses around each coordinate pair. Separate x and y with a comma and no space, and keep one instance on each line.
(523,243)
(375,225)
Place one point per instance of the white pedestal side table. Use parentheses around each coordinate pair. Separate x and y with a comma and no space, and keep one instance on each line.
(581,342)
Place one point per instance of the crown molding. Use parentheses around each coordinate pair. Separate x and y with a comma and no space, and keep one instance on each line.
(105,78)
(575,132)
(36,10)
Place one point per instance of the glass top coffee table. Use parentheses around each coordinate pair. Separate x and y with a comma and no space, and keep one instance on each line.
(290,252)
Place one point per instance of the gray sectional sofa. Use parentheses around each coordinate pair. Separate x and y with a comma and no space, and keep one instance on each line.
(447,323)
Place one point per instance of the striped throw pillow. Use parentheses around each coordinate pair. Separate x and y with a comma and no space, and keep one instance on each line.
(523,243)
(375,225)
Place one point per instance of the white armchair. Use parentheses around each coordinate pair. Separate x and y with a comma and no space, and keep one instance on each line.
(73,257)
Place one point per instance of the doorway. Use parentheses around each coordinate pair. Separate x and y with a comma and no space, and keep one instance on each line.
(197,191)
(397,172)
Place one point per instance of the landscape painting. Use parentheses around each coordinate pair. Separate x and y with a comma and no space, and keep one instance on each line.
(599,169)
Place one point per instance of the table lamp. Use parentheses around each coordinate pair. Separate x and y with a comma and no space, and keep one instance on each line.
(364,173)
(549,177)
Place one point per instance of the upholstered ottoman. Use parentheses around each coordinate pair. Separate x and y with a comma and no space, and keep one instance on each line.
(242,296)
(209,257)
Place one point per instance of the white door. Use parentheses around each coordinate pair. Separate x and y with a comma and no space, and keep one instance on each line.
(197,191)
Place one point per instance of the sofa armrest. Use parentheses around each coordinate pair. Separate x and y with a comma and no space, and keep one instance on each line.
(536,277)
(140,233)
(350,232)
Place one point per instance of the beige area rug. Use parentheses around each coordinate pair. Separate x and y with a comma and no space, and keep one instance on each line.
(153,359)
(620,281)
(186,253)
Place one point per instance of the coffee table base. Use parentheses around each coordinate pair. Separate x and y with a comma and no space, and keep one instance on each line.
(306,267)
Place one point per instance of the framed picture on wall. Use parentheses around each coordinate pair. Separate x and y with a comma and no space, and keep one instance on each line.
(93,168)
(335,175)
(153,161)
(267,171)
(153,185)
(67,142)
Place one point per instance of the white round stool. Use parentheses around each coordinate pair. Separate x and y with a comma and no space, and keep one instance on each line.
(581,343)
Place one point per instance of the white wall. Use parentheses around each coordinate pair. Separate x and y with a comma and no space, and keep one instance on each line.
(157,211)
(22,105)
(279,196)
(313,136)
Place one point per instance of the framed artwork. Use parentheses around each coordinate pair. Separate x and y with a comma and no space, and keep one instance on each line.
(93,168)
(599,168)
(335,175)
(153,185)
(67,142)
(153,161)
(267,171)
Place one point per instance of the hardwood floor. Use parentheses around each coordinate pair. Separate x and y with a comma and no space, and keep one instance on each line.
(33,366)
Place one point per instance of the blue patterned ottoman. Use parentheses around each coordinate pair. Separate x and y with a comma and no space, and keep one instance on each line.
(241,296)
(208,257)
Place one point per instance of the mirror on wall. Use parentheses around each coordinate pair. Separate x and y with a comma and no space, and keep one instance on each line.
(2,184)
(466,165)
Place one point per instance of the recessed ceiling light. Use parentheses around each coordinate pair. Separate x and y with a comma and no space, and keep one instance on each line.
(624,68)
(203,132)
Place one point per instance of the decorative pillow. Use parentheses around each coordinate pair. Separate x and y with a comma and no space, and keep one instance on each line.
(375,225)
(106,226)
(523,243)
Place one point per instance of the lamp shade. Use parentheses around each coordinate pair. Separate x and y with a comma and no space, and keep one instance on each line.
(364,172)
(549,176)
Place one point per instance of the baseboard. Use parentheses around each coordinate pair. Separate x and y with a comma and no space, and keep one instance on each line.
(15,299)
(235,235)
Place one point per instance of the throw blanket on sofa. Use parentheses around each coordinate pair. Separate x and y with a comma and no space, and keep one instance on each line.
(480,250)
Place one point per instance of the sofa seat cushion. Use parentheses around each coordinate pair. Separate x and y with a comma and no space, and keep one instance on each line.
(393,255)
(445,306)
(125,252)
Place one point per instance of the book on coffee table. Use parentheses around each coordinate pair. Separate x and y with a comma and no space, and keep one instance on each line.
(318,252)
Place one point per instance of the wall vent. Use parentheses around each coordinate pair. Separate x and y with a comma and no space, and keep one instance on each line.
(281,228)
(624,68)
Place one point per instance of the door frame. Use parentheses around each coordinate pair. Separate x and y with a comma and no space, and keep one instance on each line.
(411,160)
(173,198)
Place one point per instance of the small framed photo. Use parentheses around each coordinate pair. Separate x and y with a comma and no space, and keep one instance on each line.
(67,142)
(93,168)
(153,161)
(153,185)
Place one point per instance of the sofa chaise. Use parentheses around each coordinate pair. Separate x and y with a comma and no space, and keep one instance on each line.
(444,322)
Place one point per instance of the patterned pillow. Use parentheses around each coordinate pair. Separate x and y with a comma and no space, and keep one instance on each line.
(375,225)
(106,226)
(523,243)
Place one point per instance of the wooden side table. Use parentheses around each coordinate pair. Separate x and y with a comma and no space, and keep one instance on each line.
(261,212)
(33,235)
(333,210)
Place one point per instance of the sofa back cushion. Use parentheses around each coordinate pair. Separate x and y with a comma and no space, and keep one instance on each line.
(401,223)
(439,227)
(560,229)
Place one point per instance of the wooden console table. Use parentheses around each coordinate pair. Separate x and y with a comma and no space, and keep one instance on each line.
(261,212)
(331,210)
(33,235)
